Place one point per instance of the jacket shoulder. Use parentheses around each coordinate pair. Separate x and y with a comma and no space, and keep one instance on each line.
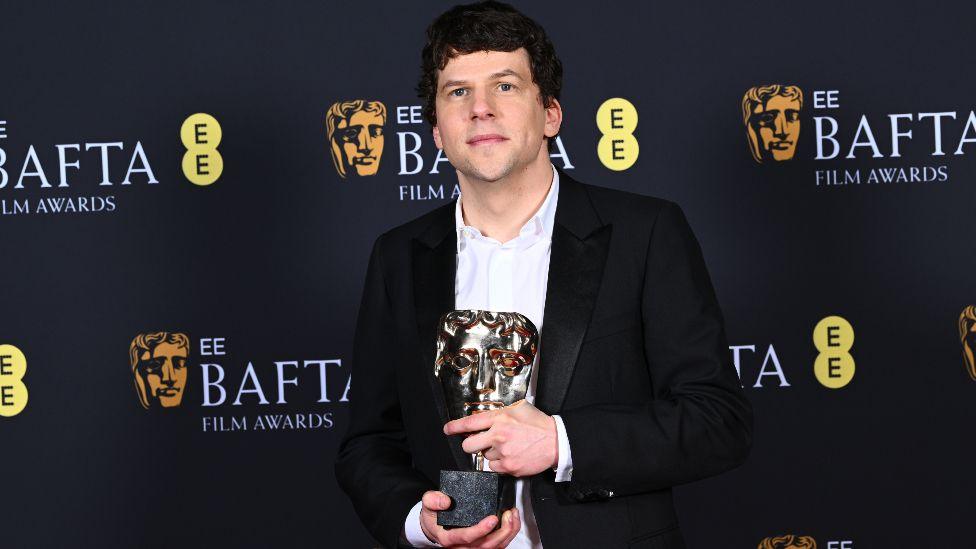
(627,208)
(433,224)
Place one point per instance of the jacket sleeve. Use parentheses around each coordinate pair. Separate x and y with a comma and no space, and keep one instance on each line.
(373,465)
(698,422)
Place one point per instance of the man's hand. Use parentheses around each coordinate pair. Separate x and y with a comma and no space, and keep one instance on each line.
(480,535)
(518,440)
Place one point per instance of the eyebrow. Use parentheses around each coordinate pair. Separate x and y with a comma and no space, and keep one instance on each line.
(506,72)
(500,74)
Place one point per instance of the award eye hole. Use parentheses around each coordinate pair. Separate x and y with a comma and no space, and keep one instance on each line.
(511,371)
(509,363)
(461,362)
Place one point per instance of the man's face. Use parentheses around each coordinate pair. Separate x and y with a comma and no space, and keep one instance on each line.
(490,118)
(777,124)
(482,370)
(163,374)
(360,138)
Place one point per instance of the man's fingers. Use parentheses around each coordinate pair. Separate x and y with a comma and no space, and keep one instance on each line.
(516,526)
(477,422)
(464,536)
(501,466)
(476,443)
(435,501)
(504,535)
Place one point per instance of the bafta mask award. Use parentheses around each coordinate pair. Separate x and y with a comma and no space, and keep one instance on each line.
(484,362)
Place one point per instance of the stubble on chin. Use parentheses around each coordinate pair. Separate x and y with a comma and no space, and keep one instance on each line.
(487,173)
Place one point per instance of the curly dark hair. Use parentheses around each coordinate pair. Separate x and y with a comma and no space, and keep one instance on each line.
(487,26)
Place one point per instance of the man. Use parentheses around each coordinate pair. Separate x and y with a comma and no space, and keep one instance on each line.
(158,364)
(355,130)
(772,118)
(634,391)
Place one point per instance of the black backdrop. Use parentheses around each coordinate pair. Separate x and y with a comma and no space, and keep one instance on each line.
(271,256)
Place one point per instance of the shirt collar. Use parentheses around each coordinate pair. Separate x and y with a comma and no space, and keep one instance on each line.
(542,221)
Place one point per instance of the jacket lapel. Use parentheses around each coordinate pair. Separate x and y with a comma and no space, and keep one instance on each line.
(434,266)
(580,242)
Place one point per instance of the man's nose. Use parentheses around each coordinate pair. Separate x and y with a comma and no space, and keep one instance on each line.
(482,105)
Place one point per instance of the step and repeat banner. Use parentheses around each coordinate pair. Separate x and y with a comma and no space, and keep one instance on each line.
(189,193)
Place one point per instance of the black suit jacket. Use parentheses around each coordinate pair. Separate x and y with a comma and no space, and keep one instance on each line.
(633,357)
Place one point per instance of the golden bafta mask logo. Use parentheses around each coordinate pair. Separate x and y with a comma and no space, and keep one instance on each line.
(788,542)
(355,130)
(772,118)
(158,364)
(967,335)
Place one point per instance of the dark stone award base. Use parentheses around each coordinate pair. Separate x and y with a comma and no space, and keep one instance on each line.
(474,496)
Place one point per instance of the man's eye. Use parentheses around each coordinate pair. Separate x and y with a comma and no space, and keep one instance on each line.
(458,92)
(506,87)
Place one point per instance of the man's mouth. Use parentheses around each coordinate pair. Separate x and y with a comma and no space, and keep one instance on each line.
(486,139)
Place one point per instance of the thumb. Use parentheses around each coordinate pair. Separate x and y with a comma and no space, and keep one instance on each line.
(436,501)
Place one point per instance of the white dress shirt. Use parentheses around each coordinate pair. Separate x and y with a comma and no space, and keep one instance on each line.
(512,277)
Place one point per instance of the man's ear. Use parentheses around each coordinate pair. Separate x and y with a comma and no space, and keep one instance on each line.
(437,138)
(554,118)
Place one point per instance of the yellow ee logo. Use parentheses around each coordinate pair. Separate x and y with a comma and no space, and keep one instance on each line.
(202,163)
(833,337)
(13,392)
(617,119)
